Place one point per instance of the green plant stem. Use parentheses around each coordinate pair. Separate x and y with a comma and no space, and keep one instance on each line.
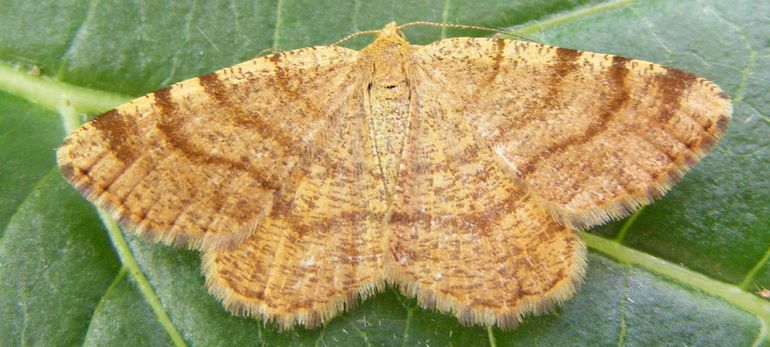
(728,292)
(56,95)
(127,258)
(491,337)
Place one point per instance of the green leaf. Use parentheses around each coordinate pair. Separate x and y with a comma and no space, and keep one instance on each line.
(682,271)
(55,265)
(124,318)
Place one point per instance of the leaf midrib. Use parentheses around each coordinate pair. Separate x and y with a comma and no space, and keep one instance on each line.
(126,257)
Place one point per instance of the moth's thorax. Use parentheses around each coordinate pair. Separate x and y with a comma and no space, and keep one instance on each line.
(388,99)
(388,60)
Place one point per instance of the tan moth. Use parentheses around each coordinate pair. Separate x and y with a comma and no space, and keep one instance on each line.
(460,170)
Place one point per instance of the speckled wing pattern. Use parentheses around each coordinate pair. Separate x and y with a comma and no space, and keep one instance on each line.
(465,237)
(594,136)
(198,164)
(458,171)
(321,246)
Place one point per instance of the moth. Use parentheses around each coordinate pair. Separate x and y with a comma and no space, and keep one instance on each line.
(460,171)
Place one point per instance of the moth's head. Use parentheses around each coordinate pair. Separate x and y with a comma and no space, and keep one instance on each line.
(388,50)
(390,37)
(386,59)
(392,30)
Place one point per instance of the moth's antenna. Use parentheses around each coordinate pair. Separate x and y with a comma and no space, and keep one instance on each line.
(268,50)
(360,33)
(462,26)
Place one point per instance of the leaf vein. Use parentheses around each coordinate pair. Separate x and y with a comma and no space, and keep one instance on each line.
(278,24)
(444,18)
(72,44)
(145,288)
(118,278)
(730,293)
(491,336)
(175,58)
(570,16)
(754,270)
(358,330)
(740,91)
(761,335)
(24,201)
(627,225)
(649,27)
(622,309)
(405,337)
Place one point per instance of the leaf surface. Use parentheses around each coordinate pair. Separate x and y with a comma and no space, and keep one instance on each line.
(682,271)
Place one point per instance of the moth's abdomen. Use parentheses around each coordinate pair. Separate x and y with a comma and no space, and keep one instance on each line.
(389,118)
